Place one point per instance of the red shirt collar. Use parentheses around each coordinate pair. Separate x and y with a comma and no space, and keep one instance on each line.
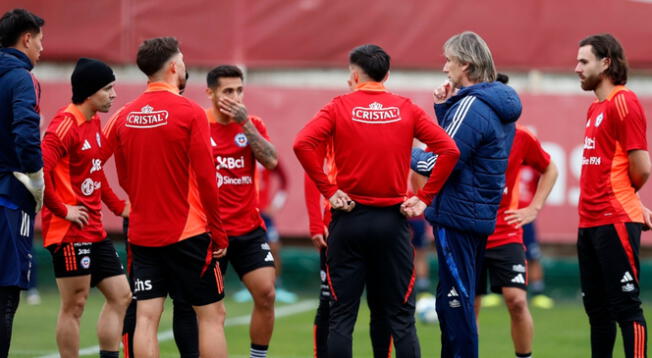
(371,86)
(161,86)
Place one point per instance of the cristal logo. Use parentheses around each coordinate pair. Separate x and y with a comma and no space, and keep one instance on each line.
(376,114)
(147,118)
(230,162)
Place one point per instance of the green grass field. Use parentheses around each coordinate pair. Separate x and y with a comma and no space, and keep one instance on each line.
(560,332)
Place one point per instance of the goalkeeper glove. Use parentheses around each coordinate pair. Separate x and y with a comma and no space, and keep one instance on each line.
(35,184)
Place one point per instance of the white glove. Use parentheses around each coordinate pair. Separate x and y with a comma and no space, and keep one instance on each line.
(35,184)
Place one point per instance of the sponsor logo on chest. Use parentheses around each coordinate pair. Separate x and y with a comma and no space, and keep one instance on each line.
(89,186)
(230,162)
(589,143)
(376,113)
(147,118)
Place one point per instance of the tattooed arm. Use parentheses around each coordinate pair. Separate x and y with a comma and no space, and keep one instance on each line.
(263,150)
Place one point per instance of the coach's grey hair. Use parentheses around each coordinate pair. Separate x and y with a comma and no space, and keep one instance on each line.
(469,48)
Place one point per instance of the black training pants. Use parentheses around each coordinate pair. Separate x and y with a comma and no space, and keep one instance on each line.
(370,247)
(9,297)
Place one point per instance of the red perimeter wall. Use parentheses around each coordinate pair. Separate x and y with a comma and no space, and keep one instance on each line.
(313,33)
(559,121)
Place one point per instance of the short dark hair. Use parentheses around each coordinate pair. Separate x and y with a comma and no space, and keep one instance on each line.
(606,46)
(502,78)
(154,53)
(229,71)
(372,59)
(15,23)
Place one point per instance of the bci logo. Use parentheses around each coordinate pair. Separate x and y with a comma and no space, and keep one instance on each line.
(230,162)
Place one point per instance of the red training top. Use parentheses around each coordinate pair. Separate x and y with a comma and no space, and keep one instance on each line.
(73,173)
(526,150)
(236,171)
(164,162)
(316,221)
(614,127)
(264,183)
(529,180)
(372,132)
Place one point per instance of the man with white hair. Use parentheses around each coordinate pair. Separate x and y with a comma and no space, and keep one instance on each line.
(479,114)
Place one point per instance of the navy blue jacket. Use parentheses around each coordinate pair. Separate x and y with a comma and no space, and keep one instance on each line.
(20,140)
(481,119)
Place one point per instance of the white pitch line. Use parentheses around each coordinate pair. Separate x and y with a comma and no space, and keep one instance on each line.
(283,311)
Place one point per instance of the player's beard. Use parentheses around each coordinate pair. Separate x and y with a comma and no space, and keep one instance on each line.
(106,107)
(590,83)
(182,83)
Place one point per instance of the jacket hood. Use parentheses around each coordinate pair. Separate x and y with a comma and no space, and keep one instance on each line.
(10,59)
(501,98)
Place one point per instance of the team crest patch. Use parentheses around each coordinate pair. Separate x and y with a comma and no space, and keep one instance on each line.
(598,120)
(376,113)
(240,140)
(86,262)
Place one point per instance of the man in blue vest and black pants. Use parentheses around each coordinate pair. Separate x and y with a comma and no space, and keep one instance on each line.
(21,164)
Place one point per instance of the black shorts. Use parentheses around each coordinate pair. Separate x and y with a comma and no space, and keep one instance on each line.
(609,271)
(98,259)
(247,252)
(504,266)
(185,270)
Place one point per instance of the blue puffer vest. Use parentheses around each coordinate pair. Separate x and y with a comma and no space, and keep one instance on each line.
(481,119)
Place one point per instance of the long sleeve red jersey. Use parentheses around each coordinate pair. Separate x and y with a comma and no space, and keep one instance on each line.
(163,158)
(526,151)
(73,173)
(264,181)
(372,132)
(318,222)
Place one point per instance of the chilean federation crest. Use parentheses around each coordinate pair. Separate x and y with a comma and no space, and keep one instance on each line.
(240,140)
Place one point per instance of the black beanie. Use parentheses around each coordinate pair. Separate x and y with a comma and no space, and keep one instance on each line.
(89,76)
